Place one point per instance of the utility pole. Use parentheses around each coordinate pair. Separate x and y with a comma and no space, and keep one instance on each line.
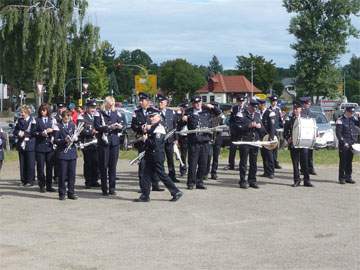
(252,80)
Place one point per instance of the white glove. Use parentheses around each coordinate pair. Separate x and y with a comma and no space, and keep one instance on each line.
(21,133)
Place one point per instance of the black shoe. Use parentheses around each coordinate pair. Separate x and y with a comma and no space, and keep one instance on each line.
(157,189)
(190,187)
(96,185)
(277,166)
(29,185)
(142,199)
(176,197)
(312,172)
(254,185)
(105,193)
(270,176)
(244,185)
(175,180)
(214,176)
(342,181)
(308,184)
(112,192)
(72,197)
(51,189)
(42,190)
(62,198)
(350,181)
(230,168)
(264,175)
(296,183)
(200,187)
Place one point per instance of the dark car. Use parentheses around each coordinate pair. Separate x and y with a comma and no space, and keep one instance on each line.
(128,137)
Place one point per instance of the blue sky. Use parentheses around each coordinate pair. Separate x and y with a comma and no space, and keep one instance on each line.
(197,29)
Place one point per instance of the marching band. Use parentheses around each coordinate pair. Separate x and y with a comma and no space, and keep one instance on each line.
(193,132)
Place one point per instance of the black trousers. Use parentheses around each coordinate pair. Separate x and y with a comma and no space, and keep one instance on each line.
(183,147)
(108,158)
(45,159)
(67,173)
(232,155)
(169,152)
(141,172)
(268,160)
(345,163)
(299,156)
(90,165)
(275,156)
(251,153)
(310,159)
(197,163)
(152,168)
(27,167)
(213,161)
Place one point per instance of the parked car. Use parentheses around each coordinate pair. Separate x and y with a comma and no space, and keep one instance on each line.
(128,137)
(325,132)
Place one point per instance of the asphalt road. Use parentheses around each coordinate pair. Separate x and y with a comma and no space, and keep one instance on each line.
(224,227)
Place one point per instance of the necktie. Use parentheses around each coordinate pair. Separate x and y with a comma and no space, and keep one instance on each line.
(45,120)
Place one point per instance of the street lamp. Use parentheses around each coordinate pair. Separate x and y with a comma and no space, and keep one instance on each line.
(39,87)
(252,79)
(81,86)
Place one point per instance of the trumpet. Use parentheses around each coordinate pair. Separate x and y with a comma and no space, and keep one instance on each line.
(270,145)
(138,158)
(203,130)
(83,145)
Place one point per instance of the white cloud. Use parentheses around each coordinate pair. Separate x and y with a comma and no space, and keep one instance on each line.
(197,29)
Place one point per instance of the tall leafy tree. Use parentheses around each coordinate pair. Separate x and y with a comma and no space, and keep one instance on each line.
(214,66)
(352,79)
(321,29)
(179,78)
(264,71)
(98,79)
(39,39)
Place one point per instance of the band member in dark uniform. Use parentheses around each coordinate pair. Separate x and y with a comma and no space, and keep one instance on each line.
(25,133)
(306,113)
(66,156)
(347,129)
(235,116)
(154,156)
(299,156)
(215,145)
(109,125)
(270,119)
(278,125)
(2,147)
(198,116)
(169,121)
(90,152)
(44,147)
(182,138)
(251,129)
(61,107)
(139,120)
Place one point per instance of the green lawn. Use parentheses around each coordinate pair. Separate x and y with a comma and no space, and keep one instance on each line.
(321,157)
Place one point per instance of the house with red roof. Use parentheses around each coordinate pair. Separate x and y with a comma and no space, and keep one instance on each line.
(224,89)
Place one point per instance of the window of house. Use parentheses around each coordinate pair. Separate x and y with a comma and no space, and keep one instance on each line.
(212,98)
(204,98)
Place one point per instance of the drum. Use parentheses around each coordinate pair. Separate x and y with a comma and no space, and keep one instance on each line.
(304,133)
(356,148)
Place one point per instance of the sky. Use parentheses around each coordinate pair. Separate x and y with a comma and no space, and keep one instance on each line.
(198,29)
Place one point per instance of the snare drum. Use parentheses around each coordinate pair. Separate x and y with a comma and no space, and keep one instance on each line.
(304,133)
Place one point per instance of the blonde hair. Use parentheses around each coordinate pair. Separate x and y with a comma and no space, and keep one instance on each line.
(108,100)
(26,109)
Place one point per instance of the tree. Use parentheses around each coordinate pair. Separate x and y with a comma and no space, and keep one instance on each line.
(265,72)
(125,74)
(321,29)
(36,39)
(98,79)
(352,79)
(214,66)
(179,78)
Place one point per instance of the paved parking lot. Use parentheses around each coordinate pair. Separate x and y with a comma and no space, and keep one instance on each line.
(224,227)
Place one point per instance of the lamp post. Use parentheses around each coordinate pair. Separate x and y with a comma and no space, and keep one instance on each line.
(39,87)
(81,86)
(252,80)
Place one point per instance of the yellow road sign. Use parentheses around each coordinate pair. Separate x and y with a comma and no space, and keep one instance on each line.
(146,85)
(261,96)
